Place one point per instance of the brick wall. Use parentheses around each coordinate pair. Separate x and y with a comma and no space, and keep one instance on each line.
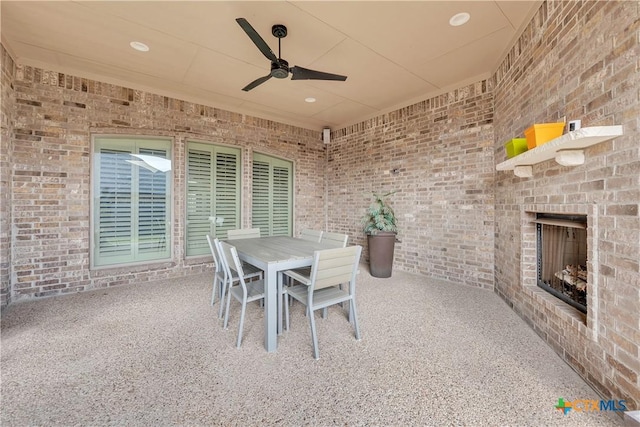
(49,178)
(442,149)
(579,60)
(6,118)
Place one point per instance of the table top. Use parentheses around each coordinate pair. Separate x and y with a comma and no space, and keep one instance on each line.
(276,249)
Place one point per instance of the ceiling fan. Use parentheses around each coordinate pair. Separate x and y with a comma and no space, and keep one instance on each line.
(279,67)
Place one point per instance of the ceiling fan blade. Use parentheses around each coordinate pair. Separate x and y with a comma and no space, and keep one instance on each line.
(257,40)
(256,82)
(300,73)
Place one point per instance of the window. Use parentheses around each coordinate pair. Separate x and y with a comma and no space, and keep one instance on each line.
(132,199)
(272,204)
(213,194)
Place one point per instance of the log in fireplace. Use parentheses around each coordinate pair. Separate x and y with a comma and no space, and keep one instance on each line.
(562,257)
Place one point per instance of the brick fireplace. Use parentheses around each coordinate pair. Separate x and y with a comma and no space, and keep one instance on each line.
(537,217)
(571,62)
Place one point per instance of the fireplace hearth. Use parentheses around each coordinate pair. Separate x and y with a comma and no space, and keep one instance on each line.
(562,257)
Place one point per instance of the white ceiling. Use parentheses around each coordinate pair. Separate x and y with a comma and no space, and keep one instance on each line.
(394,53)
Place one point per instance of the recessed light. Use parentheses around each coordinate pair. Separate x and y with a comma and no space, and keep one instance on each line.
(139,46)
(310,99)
(459,19)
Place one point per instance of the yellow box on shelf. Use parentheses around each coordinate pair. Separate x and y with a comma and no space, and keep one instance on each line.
(539,134)
(515,146)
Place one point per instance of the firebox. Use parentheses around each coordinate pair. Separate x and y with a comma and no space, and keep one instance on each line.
(562,257)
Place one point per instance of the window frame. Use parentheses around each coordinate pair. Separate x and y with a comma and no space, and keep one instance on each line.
(129,142)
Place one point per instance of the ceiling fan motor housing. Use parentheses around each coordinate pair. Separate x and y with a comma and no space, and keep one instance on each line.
(280,69)
(279,31)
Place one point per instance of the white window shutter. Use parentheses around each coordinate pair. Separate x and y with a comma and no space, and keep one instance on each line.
(199,200)
(227,194)
(272,195)
(281,216)
(114,227)
(152,207)
(260,204)
(213,194)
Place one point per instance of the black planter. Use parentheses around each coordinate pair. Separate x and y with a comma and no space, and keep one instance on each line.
(381,247)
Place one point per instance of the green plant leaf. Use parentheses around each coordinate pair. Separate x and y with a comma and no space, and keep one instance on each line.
(379,215)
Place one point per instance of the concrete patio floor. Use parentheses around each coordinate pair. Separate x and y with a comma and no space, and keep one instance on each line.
(432,353)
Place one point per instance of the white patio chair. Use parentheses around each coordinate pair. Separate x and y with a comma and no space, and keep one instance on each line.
(243,233)
(336,240)
(219,277)
(244,292)
(330,269)
(333,239)
(246,233)
(311,235)
(226,277)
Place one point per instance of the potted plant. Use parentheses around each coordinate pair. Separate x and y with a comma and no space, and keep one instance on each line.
(379,224)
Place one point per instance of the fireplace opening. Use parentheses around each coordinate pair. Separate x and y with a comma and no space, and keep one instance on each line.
(562,257)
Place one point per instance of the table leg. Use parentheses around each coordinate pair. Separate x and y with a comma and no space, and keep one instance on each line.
(271,310)
(280,303)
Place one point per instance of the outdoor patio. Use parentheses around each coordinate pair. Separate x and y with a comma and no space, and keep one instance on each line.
(432,353)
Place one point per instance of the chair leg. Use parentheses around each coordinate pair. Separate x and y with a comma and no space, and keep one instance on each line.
(213,291)
(279,309)
(314,337)
(223,291)
(244,306)
(286,310)
(219,289)
(352,312)
(226,314)
(348,307)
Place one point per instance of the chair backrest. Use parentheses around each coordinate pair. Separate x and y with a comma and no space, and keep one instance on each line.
(214,252)
(336,240)
(333,267)
(243,233)
(230,259)
(311,235)
(221,263)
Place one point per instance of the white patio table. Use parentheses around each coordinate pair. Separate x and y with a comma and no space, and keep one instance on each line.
(274,255)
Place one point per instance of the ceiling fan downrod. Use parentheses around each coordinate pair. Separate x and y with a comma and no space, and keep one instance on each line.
(280,69)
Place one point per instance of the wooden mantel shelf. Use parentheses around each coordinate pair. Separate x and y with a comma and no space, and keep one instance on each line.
(568,150)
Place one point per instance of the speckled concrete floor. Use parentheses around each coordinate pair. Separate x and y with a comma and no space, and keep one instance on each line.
(432,353)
